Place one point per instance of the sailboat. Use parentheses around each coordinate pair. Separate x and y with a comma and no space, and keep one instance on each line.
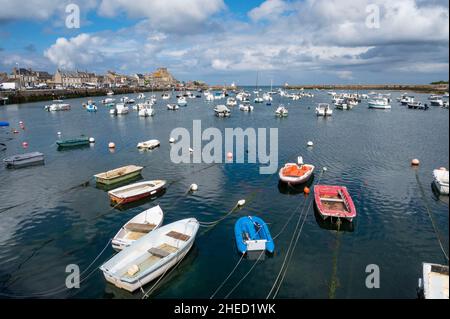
(258,99)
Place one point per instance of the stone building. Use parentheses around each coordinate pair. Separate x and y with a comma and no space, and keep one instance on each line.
(75,78)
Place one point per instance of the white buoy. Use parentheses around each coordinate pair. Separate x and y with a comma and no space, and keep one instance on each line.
(111,145)
(310,144)
(59,133)
(91,140)
(194,187)
(325,169)
(241,202)
(171,140)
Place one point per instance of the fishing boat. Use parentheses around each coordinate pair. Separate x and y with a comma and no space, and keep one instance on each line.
(379,103)
(246,107)
(119,109)
(222,111)
(231,101)
(146,111)
(74,142)
(118,175)
(417,106)
(341,104)
(296,173)
(57,107)
(334,202)
(24,160)
(137,227)
(252,234)
(135,192)
(182,101)
(258,99)
(323,109)
(434,282)
(4,124)
(172,107)
(441,180)
(407,99)
(149,145)
(151,256)
(281,111)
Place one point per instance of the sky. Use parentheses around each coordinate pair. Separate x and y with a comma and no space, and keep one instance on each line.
(224,41)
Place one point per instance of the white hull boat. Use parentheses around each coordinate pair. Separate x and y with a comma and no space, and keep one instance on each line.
(222,111)
(281,111)
(382,104)
(296,174)
(147,112)
(151,256)
(434,282)
(441,181)
(149,145)
(172,107)
(324,109)
(58,107)
(182,101)
(119,109)
(246,107)
(138,227)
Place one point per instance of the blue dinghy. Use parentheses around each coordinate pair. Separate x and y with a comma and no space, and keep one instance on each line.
(4,124)
(252,234)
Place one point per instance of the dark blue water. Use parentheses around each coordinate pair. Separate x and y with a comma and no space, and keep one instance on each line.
(51,217)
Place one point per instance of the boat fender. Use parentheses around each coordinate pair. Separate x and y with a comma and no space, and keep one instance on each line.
(133,270)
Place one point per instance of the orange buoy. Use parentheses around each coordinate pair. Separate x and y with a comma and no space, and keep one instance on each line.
(415,162)
(306,190)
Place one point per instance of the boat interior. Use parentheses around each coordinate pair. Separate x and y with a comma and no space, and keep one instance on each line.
(296,171)
(334,201)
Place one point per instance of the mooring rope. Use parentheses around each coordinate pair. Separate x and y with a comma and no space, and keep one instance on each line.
(228,277)
(430,214)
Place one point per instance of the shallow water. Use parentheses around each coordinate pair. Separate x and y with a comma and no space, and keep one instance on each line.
(56,218)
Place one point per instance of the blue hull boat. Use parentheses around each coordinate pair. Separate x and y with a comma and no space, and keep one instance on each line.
(252,234)
(4,124)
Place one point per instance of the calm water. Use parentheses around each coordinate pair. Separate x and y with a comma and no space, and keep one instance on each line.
(54,221)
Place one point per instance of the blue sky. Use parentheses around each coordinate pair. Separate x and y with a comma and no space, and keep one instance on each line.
(295,41)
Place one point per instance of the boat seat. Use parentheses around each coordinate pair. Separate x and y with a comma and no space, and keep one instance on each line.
(334,200)
(140,228)
(178,236)
(158,252)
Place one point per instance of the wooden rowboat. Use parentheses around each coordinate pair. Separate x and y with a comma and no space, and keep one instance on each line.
(137,227)
(151,256)
(118,175)
(334,201)
(296,174)
(135,192)
(149,145)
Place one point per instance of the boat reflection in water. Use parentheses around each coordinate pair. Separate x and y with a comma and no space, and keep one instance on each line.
(333,224)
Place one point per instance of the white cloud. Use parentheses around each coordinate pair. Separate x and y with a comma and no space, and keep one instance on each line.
(270,9)
(345,75)
(82,50)
(173,15)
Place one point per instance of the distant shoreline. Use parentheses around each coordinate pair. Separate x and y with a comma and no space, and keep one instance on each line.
(30,96)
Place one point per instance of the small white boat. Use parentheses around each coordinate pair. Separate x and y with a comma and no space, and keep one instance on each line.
(231,101)
(165,96)
(149,145)
(146,112)
(441,180)
(151,256)
(57,107)
(405,100)
(436,100)
(323,109)
(246,107)
(296,173)
(141,96)
(119,109)
(172,107)
(341,104)
(258,99)
(108,101)
(182,101)
(135,192)
(434,282)
(281,111)
(110,93)
(222,111)
(379,103)
(137,227)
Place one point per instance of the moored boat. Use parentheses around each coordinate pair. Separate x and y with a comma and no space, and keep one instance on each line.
(281,111)
(24,160)
(222,111)
(119,109)
(434,282)
(151,256)
(252,234)
(73,142)
(296,174)
(182,101)
(172,107)
(135,192)
(137,227)
(379,103)
(57,107)
(334,202)
(441,180)
(4,124)
(148,145)
(118,175)
(323,109)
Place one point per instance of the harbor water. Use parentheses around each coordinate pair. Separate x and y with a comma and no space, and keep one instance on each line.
(53,216)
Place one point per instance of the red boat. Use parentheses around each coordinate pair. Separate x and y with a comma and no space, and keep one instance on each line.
(334,201)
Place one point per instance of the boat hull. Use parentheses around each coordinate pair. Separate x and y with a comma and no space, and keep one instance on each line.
(334,202)
(24,160)
(139,194)
(104,181)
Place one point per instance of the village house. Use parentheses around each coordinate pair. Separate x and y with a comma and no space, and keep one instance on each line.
(75,79)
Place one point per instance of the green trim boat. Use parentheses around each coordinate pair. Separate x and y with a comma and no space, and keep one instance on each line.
(74,142)
(118,175)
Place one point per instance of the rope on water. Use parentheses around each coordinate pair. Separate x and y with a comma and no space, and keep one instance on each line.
(245,276)
(228,277)
(292,246)
(430,214)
